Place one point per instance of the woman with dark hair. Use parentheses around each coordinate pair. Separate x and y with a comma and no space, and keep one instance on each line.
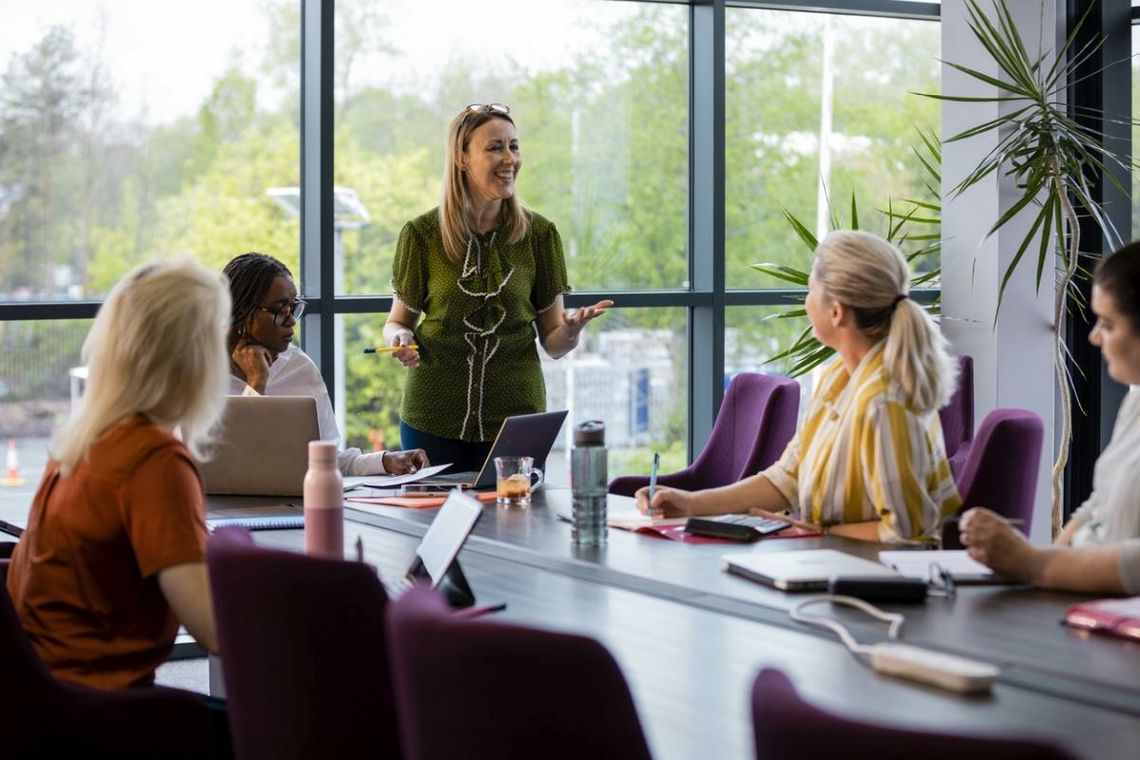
(474,279)
(1099,549)
(264,361)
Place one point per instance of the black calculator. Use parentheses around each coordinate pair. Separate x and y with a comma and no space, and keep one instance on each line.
(733,527)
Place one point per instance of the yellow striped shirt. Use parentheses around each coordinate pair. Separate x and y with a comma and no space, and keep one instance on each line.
(861,455)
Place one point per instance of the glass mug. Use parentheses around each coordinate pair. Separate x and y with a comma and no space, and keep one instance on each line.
(515,478)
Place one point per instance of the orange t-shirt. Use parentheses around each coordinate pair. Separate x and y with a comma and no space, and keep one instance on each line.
(84,576)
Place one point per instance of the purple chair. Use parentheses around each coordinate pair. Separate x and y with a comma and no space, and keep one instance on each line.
(483,690)
(49,718)
(958,417)
(788,728)
(1001,470)
(754,424)
(304,653)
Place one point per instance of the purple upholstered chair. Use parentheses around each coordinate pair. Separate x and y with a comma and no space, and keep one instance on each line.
(788,728)
(1001,470)
(754,424)
(958,418)
(304,652)
(49,718)
(484,690)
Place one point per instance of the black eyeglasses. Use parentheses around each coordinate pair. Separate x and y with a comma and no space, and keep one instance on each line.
(941,582)
(295,308)
(488,108)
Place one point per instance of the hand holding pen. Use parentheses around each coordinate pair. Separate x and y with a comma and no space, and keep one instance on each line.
(403,347)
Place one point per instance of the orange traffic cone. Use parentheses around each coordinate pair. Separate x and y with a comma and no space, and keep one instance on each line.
(12,469)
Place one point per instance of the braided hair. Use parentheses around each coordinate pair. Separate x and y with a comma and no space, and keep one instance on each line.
(250,275)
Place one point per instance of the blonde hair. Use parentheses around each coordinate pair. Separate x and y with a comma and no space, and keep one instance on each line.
(869,275)
(454,206)
(158,348)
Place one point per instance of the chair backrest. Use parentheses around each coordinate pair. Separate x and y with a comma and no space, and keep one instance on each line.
(1001,471)
(304,653)
(478,689)
(958,416)
(49,718)
(788,728)
(756,420)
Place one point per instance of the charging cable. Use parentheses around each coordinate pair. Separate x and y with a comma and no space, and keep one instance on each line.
(928,666)
(894,620)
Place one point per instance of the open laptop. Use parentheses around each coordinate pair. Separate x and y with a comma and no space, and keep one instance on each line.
(262,447)
(524,435)
(808,570)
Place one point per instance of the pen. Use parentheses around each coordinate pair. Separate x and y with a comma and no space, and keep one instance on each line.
(387,349)
(359,548)
(653,476)
(1015,521)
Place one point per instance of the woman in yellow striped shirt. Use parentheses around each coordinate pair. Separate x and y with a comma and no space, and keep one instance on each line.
(868,462)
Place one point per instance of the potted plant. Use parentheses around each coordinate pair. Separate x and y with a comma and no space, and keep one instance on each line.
(1050,157)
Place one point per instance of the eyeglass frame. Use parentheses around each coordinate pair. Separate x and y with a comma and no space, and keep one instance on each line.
(499,108)
(941,582)
(294,308)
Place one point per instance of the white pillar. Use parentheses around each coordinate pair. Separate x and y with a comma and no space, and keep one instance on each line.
(1013,360)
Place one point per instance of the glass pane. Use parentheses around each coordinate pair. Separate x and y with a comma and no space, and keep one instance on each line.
(753,335)
(137,129)
(792,77)
(599,93)
(39,379)
(630,370)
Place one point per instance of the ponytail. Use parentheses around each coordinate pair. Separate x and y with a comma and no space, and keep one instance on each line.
(871,276)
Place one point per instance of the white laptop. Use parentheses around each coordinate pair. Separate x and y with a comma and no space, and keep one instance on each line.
(808,570)
(262,447)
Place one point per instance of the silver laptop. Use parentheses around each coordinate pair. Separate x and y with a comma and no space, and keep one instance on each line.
(263,446)
(808,570)
(524,435)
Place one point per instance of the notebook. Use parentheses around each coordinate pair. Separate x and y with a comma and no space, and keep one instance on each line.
(1117,617)
(918,564)
(260,522)
(524,435)
(263,446)
(808,570)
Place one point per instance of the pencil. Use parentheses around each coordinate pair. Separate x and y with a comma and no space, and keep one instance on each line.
(387,349)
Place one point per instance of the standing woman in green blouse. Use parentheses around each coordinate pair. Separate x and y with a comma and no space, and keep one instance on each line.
(473,280)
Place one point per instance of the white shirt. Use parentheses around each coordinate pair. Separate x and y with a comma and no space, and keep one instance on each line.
(1111,514)
(294,374)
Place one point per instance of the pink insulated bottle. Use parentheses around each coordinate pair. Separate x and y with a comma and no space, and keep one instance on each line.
(324,502)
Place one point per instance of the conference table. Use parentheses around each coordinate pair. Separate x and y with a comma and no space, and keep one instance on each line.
(690,638)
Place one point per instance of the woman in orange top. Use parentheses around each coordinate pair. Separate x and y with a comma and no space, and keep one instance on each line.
(113,559)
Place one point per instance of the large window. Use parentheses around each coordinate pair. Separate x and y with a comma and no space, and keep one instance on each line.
(134,129)
(819,111)
(130,130)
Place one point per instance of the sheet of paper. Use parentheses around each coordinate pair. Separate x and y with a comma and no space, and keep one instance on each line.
(392,481)
(916,564)
(632,519)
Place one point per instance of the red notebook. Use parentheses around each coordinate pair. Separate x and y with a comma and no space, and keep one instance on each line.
(1118,617)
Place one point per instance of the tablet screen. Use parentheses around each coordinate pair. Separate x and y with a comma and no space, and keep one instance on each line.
(446,534)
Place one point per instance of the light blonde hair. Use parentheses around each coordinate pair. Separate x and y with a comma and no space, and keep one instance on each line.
(158,348)
(455,204)
(869,275)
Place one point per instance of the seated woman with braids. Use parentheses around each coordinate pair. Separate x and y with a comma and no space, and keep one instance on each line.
(264,361)
(868,462)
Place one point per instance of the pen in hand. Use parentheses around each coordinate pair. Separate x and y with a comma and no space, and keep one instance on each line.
(387,349)
(653,481)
